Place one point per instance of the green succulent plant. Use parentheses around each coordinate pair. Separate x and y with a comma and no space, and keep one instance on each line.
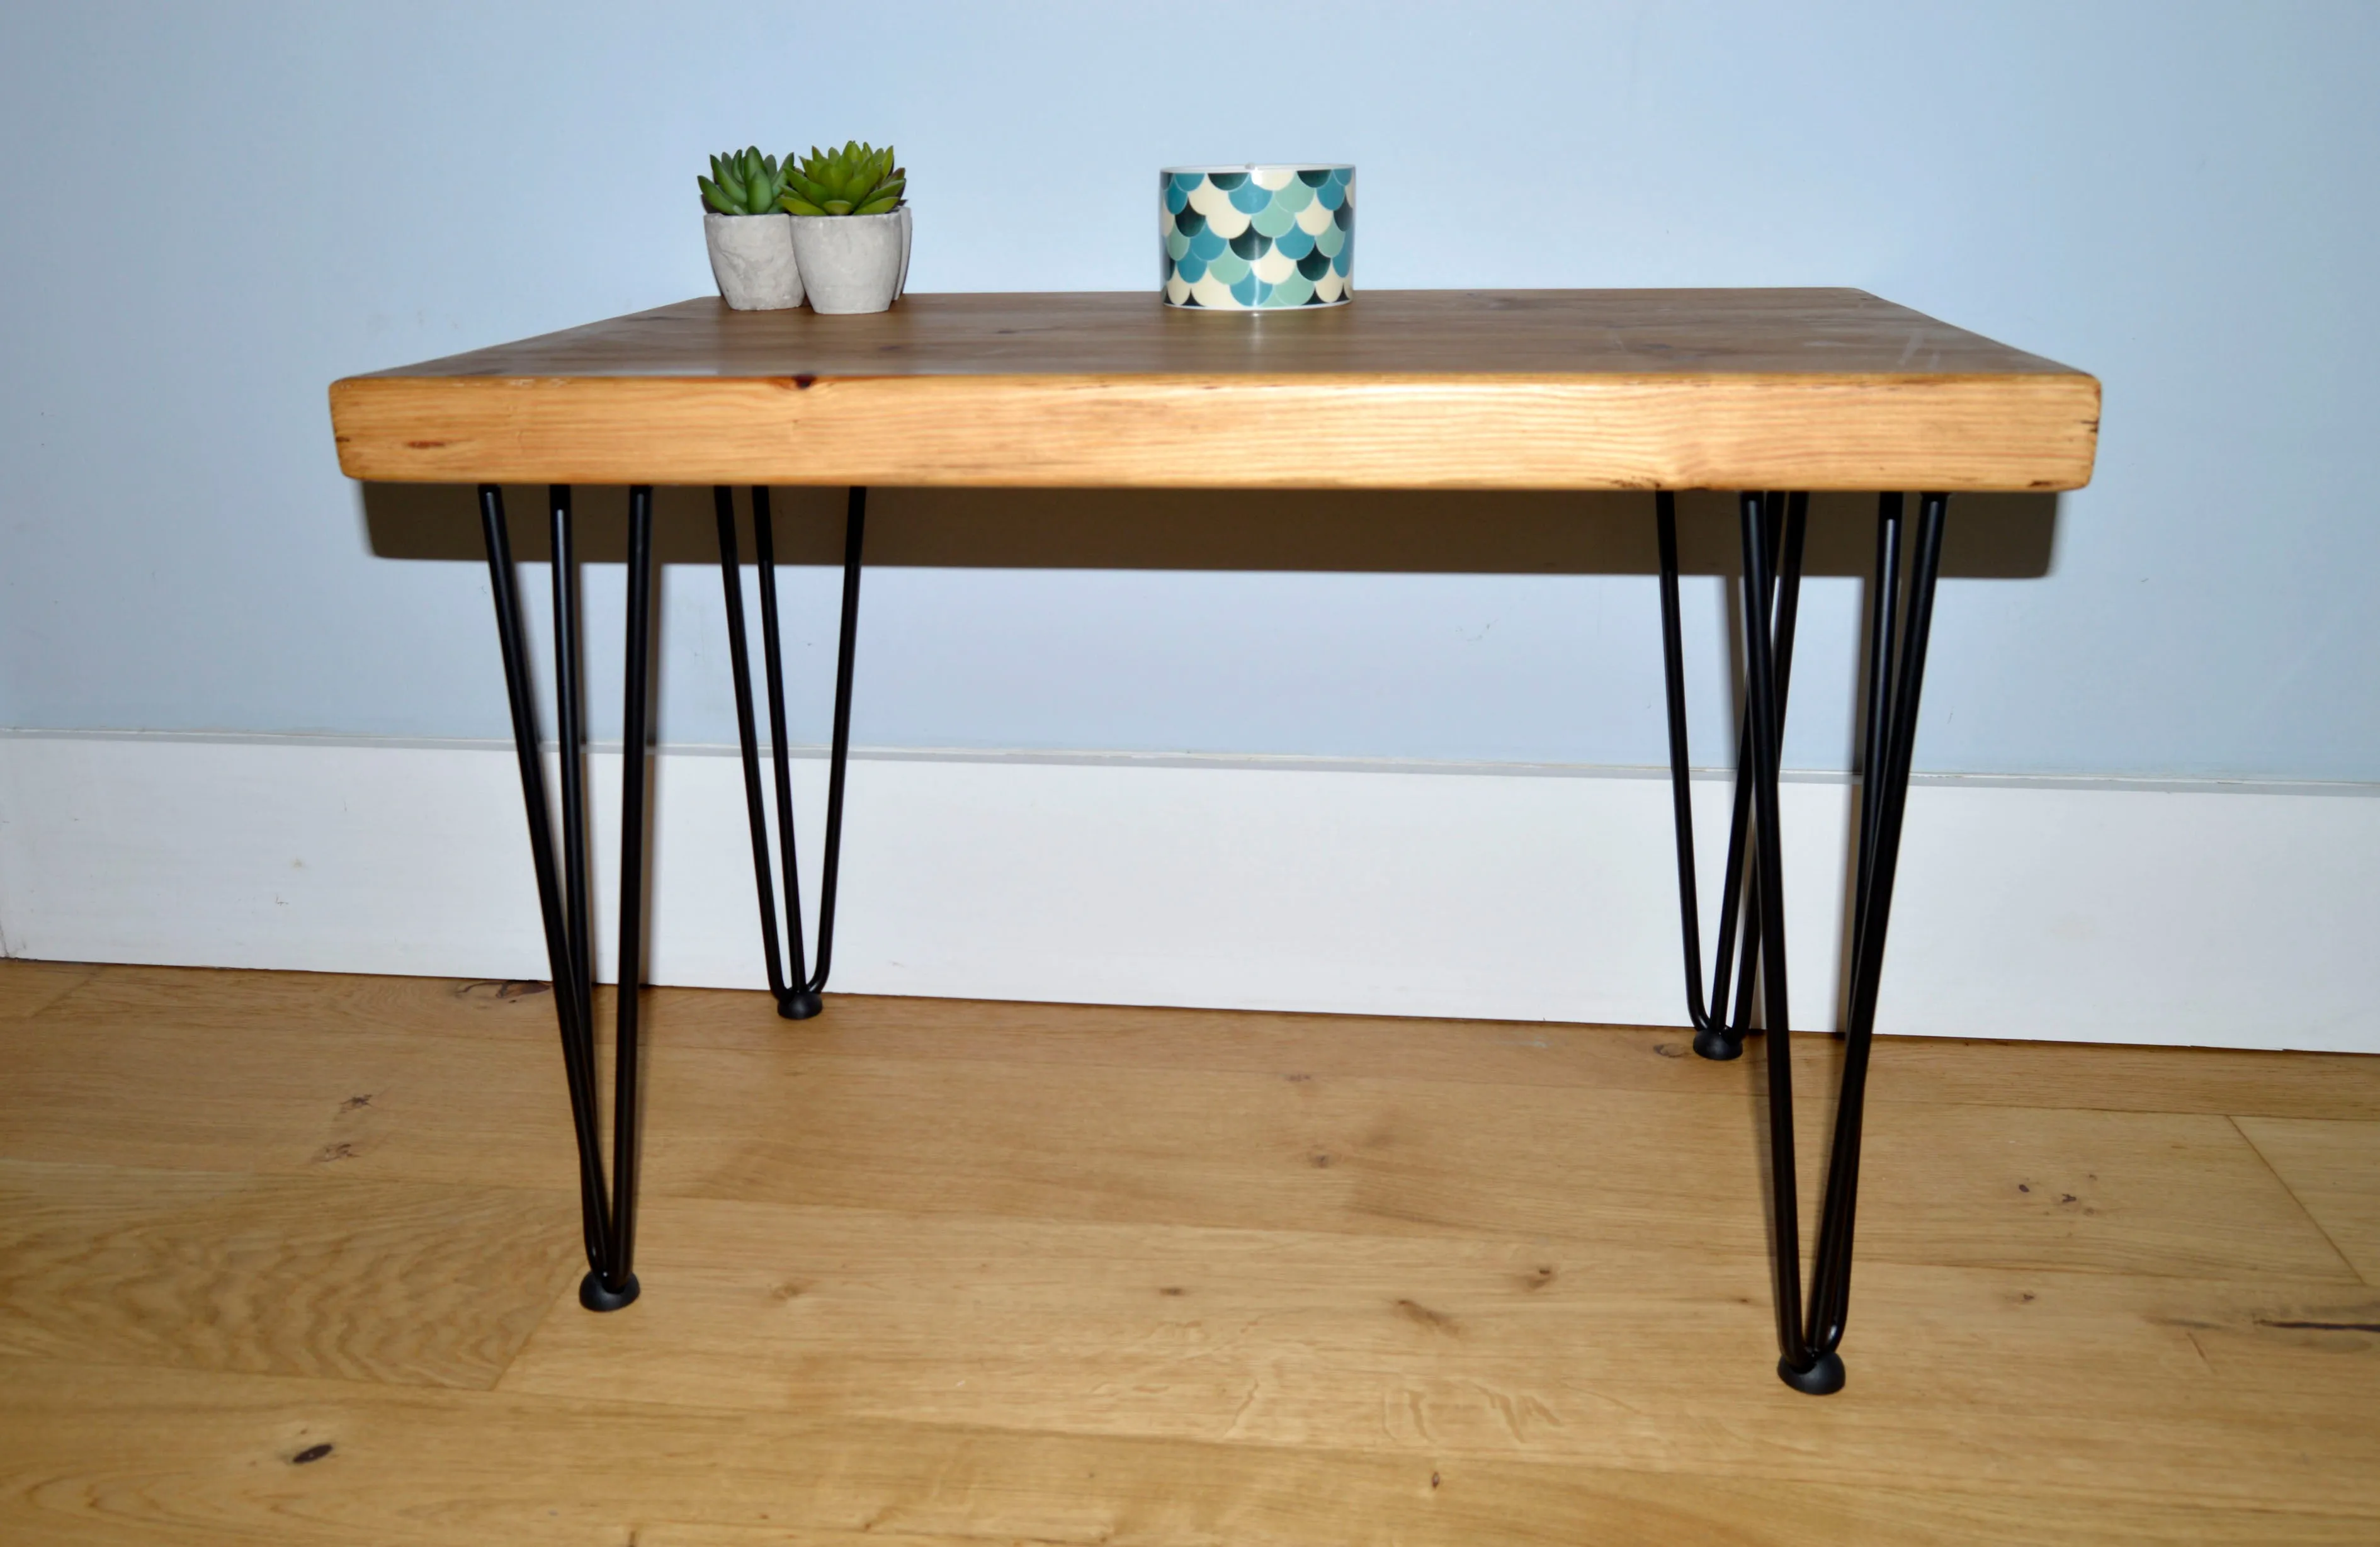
(744,182)
(858,179)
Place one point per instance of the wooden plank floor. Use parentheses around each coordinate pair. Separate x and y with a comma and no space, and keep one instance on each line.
(293,1259)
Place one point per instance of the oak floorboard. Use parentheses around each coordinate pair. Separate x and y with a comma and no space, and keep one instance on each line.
(1897,1518)
(1938,1070)
(152,1456)
(261,1089)
(906,1273)
(1929,1070)
(397,1282)
(2119,1385)
(29,987)
(189,1001)
(2333,1169)
(114,1076)
(2002,1186)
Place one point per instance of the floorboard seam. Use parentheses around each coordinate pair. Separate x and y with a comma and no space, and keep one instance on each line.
(2267,1161)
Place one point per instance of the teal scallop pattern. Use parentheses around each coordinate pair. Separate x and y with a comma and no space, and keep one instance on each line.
(1258,238)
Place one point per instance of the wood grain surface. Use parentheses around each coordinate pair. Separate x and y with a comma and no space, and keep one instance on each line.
(1570,389)
(291,1259)
(2329,1166)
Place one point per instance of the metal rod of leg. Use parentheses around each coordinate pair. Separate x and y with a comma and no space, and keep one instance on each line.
(798,992)
(1786,522)
(1739,934)
(1714,1038)
(794,1004)
(1884,600)
(1796,1363)
(570,701)
(570,1010)
(616,1285)
(854,535)
(746,733)
(570,715)
(1830,1291)
(1735,904)
(1682,799)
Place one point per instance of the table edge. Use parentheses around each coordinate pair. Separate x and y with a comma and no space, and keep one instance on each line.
(1817,429)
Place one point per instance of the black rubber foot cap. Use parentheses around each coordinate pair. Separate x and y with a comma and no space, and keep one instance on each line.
(594,1297)
(1718,1046)
(1822,1379)
(800,1004)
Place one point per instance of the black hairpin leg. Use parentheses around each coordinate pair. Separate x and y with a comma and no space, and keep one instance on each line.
(608,1215)
(1785,519)
(797,996)
(1809,1360)
(1892,695)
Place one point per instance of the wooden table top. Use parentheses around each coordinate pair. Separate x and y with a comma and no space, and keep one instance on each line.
(1525,389)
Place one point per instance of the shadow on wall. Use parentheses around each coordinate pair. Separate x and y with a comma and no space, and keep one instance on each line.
(1990,536)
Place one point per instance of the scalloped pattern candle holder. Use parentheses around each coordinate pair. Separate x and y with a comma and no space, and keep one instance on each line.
(1258,238)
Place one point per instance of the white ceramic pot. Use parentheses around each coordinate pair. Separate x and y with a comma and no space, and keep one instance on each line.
(752,257)
(853,262)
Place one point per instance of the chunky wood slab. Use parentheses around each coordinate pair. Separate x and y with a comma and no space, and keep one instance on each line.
(1523,389)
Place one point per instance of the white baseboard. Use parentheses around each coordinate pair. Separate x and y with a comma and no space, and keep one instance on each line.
(2212,914)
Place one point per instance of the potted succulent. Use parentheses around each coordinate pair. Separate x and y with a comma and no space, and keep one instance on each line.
(751,240)
(850,226)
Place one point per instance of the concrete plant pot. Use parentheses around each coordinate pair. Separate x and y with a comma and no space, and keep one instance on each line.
(752,259)
(852,264)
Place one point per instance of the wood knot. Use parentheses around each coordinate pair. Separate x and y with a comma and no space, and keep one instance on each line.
(1421,1315)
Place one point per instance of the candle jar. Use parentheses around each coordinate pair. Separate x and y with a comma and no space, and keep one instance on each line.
(1257,237)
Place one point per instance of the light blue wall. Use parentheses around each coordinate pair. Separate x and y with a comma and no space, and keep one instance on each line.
(211,212)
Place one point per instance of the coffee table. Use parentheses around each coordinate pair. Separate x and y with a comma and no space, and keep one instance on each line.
(1775,393)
